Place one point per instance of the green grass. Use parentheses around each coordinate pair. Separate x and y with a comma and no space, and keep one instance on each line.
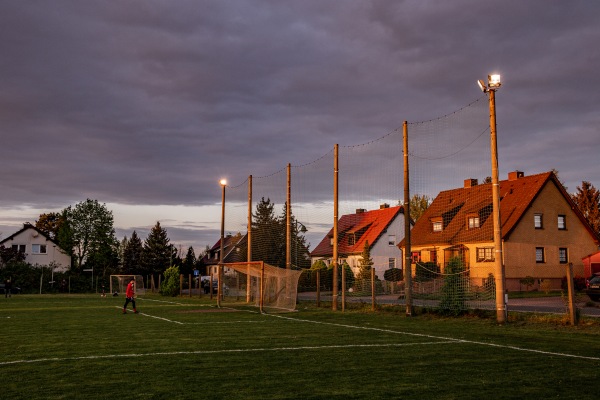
(82,347)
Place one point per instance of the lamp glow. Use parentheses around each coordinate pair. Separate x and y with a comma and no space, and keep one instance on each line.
(494,81)
(223,182)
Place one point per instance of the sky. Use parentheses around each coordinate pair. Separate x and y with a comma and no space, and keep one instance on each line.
(145,105)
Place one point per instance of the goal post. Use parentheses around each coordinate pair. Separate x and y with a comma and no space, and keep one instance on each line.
(262,284)
(118,283)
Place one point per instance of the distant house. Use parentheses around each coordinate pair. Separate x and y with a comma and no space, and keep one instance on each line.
(383,229)
(542,230)
(234,250)
(591,264)
(39,249)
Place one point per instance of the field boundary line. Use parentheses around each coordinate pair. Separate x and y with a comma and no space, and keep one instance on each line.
(222,351)
(503,346)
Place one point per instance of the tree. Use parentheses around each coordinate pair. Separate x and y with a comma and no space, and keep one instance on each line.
(189,262)
(132,255)
(268,235)
(418,205)
(365,262)
(50,223)
(157,252)
(587,200)
(89,231)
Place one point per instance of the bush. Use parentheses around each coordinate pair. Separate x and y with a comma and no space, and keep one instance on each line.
(170,286)
(453,300)
(578,283)
(393,275)
(426,271)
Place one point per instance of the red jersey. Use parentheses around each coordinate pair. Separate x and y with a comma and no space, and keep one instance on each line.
(130,289)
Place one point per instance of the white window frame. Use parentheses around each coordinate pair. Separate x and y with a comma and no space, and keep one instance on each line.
(538,221)
(561,251)
(391,240)
(392,262)
(562,222)
(474,222)
(485,254)
(39,249)
(540,251)
(437,226)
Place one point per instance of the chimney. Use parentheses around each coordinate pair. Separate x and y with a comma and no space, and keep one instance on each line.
(384,205)
(513,176)
(360,210)
(470,182)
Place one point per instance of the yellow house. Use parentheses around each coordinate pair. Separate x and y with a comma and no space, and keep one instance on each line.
(542,231)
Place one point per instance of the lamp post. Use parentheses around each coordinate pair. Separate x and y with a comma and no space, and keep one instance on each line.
(303,230)
(223,183)
(493,84)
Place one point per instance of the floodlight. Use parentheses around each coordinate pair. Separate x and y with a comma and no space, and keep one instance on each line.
(482,86)
(494,81)
(223,182)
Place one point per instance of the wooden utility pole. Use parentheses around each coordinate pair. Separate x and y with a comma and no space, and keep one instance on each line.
(334,294)
(407,247)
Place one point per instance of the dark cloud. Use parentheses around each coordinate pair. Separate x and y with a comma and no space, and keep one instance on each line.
(150,102)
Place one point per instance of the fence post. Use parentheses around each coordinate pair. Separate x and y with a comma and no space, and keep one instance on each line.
(571,292)
(373,289)
(318,287)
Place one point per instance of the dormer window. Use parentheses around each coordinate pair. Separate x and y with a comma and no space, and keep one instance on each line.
(351,239)
(437,224)
(473,221)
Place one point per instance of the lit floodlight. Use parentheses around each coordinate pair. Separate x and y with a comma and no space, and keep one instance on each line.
(223,182)
(494,81)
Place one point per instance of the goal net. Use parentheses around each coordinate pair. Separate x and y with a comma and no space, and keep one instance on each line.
(118,283)
(262,284)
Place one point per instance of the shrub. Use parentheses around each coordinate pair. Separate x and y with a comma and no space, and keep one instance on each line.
(426,271)
(170,286)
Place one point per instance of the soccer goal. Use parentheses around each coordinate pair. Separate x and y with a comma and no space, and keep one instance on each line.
(262,284)
(118,283)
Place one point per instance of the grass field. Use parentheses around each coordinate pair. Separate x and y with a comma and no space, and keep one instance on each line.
(82,347)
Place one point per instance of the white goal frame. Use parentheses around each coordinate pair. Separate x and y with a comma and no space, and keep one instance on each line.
(118,283)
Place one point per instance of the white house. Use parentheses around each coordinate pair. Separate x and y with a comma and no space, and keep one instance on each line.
(383,229)
(39,249)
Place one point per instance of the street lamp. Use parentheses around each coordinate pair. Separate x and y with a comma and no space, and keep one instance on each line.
(223,183)
(493,84)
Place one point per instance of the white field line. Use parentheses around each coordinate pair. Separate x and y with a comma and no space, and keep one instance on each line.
(224,351)
(503,346)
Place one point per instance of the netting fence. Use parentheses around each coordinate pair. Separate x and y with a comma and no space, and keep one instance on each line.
(292,213)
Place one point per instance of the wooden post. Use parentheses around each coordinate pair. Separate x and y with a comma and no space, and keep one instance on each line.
(180,284)
(373,289)
(570,285)
(318,288)
(190,285)
(262,286)
(334,294)
(407,247)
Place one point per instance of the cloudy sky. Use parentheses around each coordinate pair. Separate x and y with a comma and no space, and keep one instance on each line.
(145,105)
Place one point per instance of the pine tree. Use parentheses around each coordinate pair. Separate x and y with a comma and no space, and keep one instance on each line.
(365,262)
(157,254)
(268,235)
(189,263)
(133,255)
(587,200)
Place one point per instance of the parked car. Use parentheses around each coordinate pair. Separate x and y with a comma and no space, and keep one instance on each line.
(14,289)
(593,287)
(215,287)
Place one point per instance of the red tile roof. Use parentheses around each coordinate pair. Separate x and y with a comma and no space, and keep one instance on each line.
(454,207)
(367,226)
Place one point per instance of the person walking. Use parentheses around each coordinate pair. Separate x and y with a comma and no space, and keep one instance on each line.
(130,296)
(7,288)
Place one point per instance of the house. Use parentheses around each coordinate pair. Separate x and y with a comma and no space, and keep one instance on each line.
(234,250)
(382,229)
(542,230)
(591,264)
(39,248)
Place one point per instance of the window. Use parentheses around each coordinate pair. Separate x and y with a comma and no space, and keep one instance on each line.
(351,239)
(416,256)
(392,262)
(563,255)
(391,240)
(537,221)
(38,249)
(19,247)
(485,254)
(437,225)
(562,222)
(473,221)
(539,255)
